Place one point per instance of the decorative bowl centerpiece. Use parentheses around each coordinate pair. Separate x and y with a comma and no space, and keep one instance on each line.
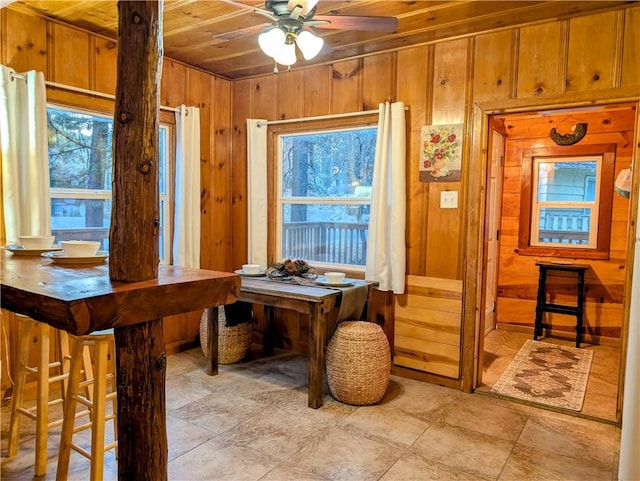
(290,270)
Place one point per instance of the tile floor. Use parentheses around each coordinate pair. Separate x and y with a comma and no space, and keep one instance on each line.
(601,397)
(251,423)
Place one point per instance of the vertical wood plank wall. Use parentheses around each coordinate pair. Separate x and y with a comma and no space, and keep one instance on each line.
(440,82)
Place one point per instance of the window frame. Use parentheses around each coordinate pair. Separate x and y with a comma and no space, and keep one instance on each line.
(604,201)
(538,205)
(274,214)
(165,201)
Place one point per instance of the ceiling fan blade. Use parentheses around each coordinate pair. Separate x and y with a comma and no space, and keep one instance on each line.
(251,8)
(307,6)
(242,32)
(353,22)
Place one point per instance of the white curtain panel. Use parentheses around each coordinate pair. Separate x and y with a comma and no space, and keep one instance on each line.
(386,247)
(257,191)
(25,156)
(186,237)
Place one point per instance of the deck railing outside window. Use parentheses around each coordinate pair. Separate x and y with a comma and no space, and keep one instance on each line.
(333,242)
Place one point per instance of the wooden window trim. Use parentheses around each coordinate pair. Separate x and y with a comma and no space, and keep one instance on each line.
(605,201)
(274,131)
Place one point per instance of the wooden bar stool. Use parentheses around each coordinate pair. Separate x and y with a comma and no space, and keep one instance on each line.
(95,401)
(43,370)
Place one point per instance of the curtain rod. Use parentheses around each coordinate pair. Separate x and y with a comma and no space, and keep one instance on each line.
(85,91)
(320,117)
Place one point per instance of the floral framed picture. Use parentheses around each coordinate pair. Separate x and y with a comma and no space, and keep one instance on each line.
(441,153)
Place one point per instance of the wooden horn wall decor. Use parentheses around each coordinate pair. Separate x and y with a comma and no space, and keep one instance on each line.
(569,139)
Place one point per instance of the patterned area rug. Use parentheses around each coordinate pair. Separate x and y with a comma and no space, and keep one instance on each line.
(547,374)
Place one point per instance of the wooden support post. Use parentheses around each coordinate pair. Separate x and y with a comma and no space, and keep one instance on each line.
(142,424)
(133,240)
(135,221)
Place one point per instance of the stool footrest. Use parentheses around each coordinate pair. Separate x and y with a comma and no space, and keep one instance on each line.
(32,412)
(560,309)
(59,377)
(80,450)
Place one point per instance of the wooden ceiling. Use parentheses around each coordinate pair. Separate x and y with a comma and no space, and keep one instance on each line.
(196,32)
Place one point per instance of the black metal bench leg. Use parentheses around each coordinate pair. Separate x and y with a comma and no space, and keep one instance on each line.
(537,328)
(580,308)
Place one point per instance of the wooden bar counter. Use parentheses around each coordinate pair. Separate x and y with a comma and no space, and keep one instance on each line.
(81,299)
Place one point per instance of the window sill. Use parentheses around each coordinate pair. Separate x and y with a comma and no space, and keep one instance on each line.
(562,252)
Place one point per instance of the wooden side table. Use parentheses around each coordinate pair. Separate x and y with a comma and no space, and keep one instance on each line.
(543,306)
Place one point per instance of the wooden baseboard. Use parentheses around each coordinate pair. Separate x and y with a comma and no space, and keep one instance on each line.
(569,336)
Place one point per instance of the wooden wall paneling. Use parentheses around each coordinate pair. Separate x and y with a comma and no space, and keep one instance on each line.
(264,98)
(605,271)
(241,111)
(428,326)
(619,235)
(104,54)
(600,122)
(174,329)
(598,319)
(23,48)
(173,85)
(414,88)
(493,67)
(221,224)
(443,237)
(448,106)
(314,90)
(602,281)
(193,325)
(379,81)
(631,51)
(591,64)
(540,60)
(346,86)
(199,95)
(290,95)
(450,82)
(69,50)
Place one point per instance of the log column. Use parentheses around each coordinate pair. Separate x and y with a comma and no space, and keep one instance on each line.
(133,240)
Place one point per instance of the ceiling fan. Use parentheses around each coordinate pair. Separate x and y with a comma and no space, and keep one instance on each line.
(291,25)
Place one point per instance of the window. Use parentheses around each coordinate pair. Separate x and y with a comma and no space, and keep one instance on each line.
(566,201)
(324,196)
(80,169)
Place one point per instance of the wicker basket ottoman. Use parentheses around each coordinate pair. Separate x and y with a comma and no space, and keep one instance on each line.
(233,342)
(358,363)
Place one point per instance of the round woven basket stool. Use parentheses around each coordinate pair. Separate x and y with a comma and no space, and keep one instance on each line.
(233,342)
(358,363)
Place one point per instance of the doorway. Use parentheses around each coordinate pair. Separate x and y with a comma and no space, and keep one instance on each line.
(510,277)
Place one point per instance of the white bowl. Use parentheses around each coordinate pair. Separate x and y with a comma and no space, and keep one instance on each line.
(334,277)
(36,241)
(79,248)
(251,268)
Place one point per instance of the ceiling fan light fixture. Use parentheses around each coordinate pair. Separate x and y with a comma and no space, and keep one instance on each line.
(272,41)
(309,44)
(286,54)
